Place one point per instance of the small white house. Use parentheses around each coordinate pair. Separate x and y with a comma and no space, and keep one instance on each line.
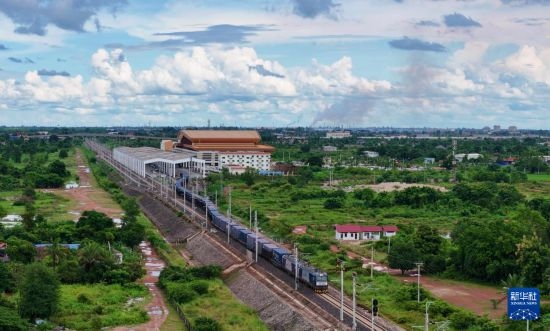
(429,160)
(364,232)
(469,156)
(371,154)
(330,148)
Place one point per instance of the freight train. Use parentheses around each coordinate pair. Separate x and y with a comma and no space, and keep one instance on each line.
(277,255)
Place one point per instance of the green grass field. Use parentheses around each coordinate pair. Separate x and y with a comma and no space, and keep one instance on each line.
(221,305)
(539,177)
(112,305)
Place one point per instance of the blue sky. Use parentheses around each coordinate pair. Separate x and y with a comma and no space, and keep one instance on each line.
(421,63)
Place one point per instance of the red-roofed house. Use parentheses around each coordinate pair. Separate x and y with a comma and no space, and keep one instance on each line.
(364,232)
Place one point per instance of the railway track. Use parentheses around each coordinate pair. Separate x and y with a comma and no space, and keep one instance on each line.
(308,302)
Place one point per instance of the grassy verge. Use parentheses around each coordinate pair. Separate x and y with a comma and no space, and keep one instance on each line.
(220,305)
(85,307)
(173,322)
(168,253)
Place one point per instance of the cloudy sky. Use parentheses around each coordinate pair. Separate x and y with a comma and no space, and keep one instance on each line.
(421,63)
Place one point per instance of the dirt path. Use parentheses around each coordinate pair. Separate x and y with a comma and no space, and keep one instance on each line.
(87,195)
(473,297)
(156,308)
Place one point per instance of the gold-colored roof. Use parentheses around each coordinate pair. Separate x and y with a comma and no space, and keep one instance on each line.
(220,135)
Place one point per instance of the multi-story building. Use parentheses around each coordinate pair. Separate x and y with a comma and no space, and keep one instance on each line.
(219,148)
(338,134)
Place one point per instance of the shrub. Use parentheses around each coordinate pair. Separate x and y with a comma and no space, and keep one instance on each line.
(10,320)
(333,203)
(98,310)
(207,324)
(199,286)
(180,292)
(83,298)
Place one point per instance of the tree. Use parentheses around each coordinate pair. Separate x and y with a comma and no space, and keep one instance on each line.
(58,167)
(485,249)
(20,250)
(131,209)
(95,262)
(533,257)
(7,282)
(429,244)
(95,226)
(403,254)
(29,216)
(63,154)
(39,292)
(315,161)
(333,203)
(131,234)
(249,176)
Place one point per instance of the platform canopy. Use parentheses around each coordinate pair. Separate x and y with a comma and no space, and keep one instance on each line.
(136,159)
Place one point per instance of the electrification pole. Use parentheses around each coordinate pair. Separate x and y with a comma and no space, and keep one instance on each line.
(227,232)
(295,267)
(193,202)
(256,225)
(372,261)
(229,201)
(342,291)
(354,324)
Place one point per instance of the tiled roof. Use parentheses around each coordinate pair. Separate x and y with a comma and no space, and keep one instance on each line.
(342,228)
(390,228)
(205,135)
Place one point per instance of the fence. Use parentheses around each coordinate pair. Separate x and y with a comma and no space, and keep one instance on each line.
(182,316)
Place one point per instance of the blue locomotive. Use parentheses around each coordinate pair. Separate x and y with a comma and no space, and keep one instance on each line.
(278,256)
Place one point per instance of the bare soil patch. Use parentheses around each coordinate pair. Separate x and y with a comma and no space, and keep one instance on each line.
(473,297)
(88,196)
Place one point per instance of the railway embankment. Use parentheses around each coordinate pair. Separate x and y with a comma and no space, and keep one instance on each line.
(271,308)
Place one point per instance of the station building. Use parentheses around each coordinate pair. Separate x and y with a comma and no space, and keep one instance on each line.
(226,148)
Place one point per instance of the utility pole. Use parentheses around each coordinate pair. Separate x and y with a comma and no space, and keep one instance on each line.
(256,225)
(342,290)
(295,267)
(427,318)
(216,198)
(250,215)
(389,244)
(354,324)
(418,265)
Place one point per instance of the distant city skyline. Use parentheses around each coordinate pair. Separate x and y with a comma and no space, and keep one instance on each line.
(355,63)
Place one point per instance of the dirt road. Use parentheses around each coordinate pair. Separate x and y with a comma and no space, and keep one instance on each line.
(472,297)
(156,308)
(88,196)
